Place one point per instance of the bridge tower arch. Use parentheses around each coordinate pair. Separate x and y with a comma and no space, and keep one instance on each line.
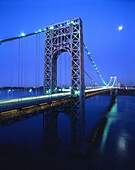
(61,37)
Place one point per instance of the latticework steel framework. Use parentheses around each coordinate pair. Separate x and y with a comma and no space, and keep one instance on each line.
(61,37)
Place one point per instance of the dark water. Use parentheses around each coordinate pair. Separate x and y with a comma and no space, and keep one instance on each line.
(109,129)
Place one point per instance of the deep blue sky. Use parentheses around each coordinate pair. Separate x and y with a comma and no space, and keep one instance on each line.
(113,51)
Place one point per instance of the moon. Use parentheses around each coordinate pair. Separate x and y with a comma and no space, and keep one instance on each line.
(120,28)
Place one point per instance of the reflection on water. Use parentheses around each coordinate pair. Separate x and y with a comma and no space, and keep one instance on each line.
(103,132)
(109,120)
(122,143)
(76,115)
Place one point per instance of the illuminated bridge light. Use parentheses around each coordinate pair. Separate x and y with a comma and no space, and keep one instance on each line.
(67,23)
(55,90)
(51,27)
(30,90)
(44,29)
(22,34)
(9,91)
(39,30)
(77,92)
(72,22)
(88,53)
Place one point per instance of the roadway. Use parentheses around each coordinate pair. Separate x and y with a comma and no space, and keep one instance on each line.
(4,104)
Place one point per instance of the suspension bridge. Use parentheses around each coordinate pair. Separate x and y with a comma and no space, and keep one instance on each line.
(62,37)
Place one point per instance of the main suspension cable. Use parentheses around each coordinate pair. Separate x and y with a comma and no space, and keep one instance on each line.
(93,64)
(91,78)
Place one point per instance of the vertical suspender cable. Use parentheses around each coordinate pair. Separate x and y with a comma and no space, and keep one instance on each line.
(36,66)
(21,67)
(24,73)
(60,61)
(26,65)
(65,59)
(18,71)
(10,67)
(64,78)
(65,69)
(39,63)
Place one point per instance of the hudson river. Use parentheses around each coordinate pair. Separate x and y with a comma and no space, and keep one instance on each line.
(110,138)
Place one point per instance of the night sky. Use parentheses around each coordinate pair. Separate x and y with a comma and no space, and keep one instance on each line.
(112,50)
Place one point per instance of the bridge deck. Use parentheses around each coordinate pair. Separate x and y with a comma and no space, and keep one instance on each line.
(33,106)
(25,101)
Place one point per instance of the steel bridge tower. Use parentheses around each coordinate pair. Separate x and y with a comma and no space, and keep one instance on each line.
(67,37)
(62,37)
